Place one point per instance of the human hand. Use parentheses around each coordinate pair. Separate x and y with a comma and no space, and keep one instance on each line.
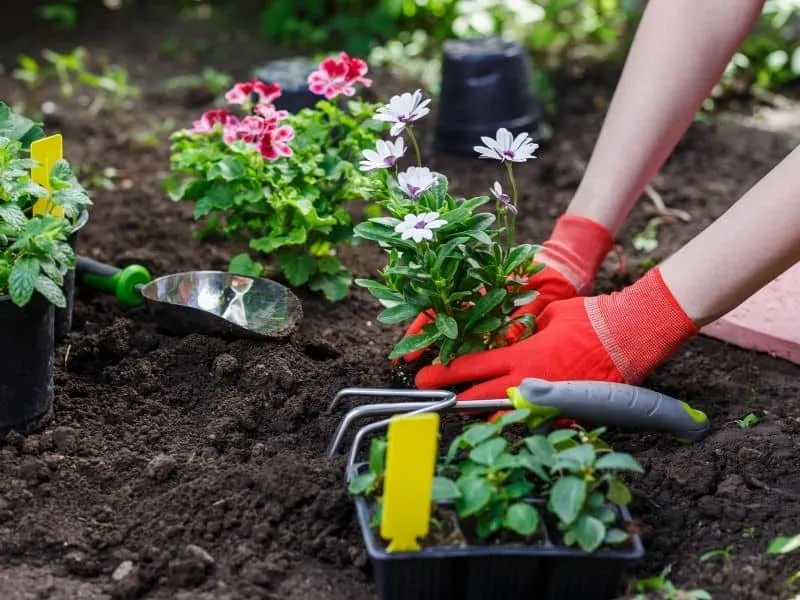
(619,337)
(571,256)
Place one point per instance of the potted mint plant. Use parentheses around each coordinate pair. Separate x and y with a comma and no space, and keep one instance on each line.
(281,181)
(35,254)
(542,516)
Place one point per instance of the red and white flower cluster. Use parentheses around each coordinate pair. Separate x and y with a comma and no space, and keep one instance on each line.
(263,129)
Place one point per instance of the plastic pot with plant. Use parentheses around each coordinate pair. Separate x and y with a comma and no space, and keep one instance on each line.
(280,181)
(35,255)
(537,516)
(459,266)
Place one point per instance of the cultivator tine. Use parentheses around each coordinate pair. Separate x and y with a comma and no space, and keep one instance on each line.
(437,400)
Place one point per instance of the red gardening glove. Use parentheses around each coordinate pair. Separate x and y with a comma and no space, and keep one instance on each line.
(619,337)
(572,256)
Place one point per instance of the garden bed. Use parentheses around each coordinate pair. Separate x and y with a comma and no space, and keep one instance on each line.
(192,467)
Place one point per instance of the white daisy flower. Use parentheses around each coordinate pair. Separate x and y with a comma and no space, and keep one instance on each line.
(505,147)
(503,198)
(419,227)
(416,180)
(385,155)
(402,110)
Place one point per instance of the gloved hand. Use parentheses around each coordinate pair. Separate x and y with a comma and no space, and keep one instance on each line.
(619,337)
(572,255)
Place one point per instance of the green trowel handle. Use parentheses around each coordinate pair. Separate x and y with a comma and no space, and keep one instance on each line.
(618,404)
(123,283)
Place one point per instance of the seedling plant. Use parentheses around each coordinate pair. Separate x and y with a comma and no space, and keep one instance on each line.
(445,258)
(568,478)
(282,181)
(34,251)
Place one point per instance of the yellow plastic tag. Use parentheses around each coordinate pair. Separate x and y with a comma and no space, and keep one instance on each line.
(410,465)
(46,151)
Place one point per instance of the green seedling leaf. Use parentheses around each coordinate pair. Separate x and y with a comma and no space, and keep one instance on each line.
(298,268)
(541,449)
(574,459)
(22,281)
(444,490)
(566,498)
(522,518)
(618,492)
(47,288)
(415,342)
(519,489)
(243,264)
(398,314)
(482,307)
(589,533)
(476,434)
(475,495)
(515,416)
(447,326)
(361,483)
(615,536)
(619,461)
(377,456)
(488,452)
(784,545)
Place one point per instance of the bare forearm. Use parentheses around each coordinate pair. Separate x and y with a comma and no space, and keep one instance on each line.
(756,240)
(679,53)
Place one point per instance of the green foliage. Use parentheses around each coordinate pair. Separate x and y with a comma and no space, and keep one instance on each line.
(293,209)
(494,484)
(34,253)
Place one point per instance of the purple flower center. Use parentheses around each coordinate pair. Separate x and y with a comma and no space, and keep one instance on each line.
(404,118)
(508,154)
(421,225)
(413,190)
(390,160)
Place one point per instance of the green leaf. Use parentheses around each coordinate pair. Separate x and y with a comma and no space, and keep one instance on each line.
(541,449)
(377,456)
(618,492)
(243,264)
(488,452)
(483,306)
(22,280)
(50,291)
(615,536)
(784,545)
(576,458)
(415,342)
(518,489)
(444,490)
(297,267)
(447,326)
(589,533)
(522,518)
(398,314)
(525,298)
(515,416)
(477,434)
(475,495)
(360,484)
(619,461)
(229,168)
(334,286)
(386,296)
(517,256)
(13,215)
(566,498)
(489,325)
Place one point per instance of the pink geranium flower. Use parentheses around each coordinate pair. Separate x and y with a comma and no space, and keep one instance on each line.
(337,76)
(274,143)
(241,92)
(211,118)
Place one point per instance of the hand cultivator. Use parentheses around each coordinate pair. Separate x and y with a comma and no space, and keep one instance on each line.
(596,402)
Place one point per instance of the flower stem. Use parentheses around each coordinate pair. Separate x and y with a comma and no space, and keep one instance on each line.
(413,139)
(512,221)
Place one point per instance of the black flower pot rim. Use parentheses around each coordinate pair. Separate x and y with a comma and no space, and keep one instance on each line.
(542,550)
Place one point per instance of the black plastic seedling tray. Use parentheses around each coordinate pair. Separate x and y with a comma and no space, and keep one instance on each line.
(536,572)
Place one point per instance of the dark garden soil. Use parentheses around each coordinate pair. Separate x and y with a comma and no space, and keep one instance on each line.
(193,467)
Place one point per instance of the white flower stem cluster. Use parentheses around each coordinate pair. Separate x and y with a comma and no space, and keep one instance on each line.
(403,110)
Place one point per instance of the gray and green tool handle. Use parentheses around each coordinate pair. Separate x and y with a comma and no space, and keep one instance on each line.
(604,402)
(125,284)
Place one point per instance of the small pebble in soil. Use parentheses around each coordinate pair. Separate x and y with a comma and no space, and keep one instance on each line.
(124,569)
(224,365)
(161,467)
(192,567)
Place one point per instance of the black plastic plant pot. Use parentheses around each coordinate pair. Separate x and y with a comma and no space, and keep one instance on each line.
(486,84)
(292,75)
(498,572)
(26,364)
(63,316)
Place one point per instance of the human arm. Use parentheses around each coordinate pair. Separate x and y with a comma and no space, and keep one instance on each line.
(624,335)
(680,51)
